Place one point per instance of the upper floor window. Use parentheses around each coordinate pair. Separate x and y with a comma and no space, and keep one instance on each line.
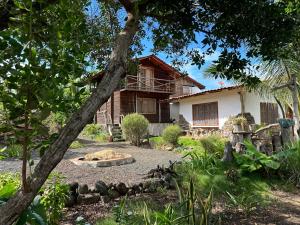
(187,89)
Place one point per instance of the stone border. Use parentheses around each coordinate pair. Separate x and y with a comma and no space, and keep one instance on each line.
(104,163)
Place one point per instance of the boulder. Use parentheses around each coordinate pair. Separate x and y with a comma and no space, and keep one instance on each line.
(101,188)
(88,198)
(122,189)
(83,189)
(71,201)
(112,193)
(105,199)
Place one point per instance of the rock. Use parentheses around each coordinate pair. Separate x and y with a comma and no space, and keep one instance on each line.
(122,189)
(228,156)
(105,199)
(147,184)
(112,193)
(169,148)
(131,192)
(88,198)
(71,201)
(73,187)
(101,187)
(83,189)
(137,188)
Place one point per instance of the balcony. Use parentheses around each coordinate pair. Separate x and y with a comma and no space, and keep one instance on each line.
(135,83)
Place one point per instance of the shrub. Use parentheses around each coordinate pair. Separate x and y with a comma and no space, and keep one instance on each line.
(76,144)
(95,132)
(157,142)
(253,160)
(214,144)
(54,196)
(171,134)
(92,130)
(290,162)
(135,127)
(11,151)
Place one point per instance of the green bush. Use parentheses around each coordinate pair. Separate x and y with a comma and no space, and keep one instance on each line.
(158,142)
(54,196)
(76,144)
(135,127)
(171,134)
(214,144)
(290,162)
(253,160)
(11,151)
(95,132)
(92,130)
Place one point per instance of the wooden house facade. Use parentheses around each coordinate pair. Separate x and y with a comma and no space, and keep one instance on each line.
(146,92)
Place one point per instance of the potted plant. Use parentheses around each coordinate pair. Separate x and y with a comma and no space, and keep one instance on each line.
(239,124)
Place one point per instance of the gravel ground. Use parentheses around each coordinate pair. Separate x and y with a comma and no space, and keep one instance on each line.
(146,159)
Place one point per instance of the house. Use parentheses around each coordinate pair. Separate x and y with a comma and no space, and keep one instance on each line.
(146,92)
(210,109)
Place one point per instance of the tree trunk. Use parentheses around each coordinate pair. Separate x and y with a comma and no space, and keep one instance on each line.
(294,90)
(11,210)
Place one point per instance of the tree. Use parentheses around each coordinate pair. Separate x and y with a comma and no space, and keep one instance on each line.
(224,24)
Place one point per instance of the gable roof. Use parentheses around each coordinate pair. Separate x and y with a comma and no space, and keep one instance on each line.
(155,60)
(207,92)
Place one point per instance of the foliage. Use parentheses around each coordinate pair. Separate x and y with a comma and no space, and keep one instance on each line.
(240,120)
(253,160)
(54,196)
(158,142)
(227,182)
(95,132)
(214,144)
(11,151)
(135,127)
(171,134)
(35,214)
(191,209)
(9,184)
(76,144)
(290,162)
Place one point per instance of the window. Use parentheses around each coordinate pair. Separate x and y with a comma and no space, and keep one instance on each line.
(186,90)
(268,113)
(206,114)
(146,105)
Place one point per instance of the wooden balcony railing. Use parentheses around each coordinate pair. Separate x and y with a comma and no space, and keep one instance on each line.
(152,85)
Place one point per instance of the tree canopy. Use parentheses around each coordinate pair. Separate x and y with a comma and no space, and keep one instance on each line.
(48,46)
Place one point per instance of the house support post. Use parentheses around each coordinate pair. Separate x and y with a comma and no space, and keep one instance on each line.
(159,112)
(242,100)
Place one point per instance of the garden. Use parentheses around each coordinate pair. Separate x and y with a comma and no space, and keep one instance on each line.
(197,187)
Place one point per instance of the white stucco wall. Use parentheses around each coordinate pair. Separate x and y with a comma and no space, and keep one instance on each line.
(228,105)
(174,111)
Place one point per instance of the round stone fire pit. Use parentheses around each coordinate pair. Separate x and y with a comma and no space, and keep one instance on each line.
(104,158)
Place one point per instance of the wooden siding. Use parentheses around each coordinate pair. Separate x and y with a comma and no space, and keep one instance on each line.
(268,113)
(180,82)
(128,105)
(206,114)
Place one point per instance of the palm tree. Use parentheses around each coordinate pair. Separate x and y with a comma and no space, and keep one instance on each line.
(280,79)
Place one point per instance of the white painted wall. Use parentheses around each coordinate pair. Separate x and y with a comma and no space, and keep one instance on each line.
(228,105)
(174,111)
